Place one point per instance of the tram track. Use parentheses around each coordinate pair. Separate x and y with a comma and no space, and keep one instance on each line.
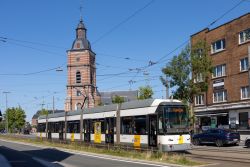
(218,158)
(221,154)
(227,150)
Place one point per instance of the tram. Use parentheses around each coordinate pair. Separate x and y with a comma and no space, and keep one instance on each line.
(153,123)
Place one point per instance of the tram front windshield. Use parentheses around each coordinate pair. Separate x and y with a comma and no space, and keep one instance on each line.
(173,119)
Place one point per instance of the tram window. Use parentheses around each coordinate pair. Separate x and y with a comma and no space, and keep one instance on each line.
(73,126)
(53,127)
(160,121)
(140,125)
(41,127)
(127,125)
(50,127)
(56,127)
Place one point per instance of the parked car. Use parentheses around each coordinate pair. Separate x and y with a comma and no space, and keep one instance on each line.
(247,142)
(219,137)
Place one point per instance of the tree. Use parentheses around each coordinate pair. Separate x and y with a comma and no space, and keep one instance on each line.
(188,72)
(43,112)
(2,126)
(117,99)
(16,119)
(145,92)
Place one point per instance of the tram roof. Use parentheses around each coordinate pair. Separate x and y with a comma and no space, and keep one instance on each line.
(113,107)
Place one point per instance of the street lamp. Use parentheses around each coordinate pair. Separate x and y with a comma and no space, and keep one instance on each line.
(7,117)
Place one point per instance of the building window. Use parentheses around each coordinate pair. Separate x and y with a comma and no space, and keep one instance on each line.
(78,93)
(198,78)
(244,36)
(244,64)
(78,106)
(218,46)
(243,120)
(77,59)
(78,45)
(199,100)
(220,96)
(219,71)
(245,92)
(78,77)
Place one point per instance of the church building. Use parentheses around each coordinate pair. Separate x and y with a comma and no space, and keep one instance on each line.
(81,70)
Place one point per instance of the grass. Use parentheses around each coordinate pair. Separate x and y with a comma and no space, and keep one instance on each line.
(172,158)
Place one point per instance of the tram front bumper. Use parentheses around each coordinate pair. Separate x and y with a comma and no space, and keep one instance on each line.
(175,147)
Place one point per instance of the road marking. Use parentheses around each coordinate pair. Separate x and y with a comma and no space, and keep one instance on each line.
(51,164)
(115,159)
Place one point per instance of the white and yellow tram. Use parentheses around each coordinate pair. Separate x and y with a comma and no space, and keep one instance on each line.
(152,123)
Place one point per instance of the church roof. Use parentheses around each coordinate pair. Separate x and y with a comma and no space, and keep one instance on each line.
(81,42)
(81,25)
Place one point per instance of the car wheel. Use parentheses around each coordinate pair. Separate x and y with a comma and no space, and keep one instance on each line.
(196,142)
(236,144)
(219,143)
(248,144)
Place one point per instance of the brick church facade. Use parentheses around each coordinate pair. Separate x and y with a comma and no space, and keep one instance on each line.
(81,70)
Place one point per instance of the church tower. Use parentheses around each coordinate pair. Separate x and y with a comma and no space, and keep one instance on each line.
(81,73)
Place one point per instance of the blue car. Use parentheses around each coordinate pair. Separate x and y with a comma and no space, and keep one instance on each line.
(219,137)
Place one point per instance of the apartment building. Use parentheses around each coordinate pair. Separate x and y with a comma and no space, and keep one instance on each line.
(226,104)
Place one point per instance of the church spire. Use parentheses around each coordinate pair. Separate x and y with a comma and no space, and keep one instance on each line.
(81,41)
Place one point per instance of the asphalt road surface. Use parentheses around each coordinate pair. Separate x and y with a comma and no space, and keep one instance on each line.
(20,155)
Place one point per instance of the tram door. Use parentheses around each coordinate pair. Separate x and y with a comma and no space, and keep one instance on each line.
(109,130)
(152,129)
(87,130)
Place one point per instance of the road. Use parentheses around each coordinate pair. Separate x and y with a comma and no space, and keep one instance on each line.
(26,155)
(20,155)
(228,156)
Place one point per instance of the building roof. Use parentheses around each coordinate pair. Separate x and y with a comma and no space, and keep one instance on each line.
(36,115)
(207,29)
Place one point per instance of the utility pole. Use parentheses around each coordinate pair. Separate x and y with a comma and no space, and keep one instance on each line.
(118,123)
(53,104)
(81,119)
(85,98)
(7,116)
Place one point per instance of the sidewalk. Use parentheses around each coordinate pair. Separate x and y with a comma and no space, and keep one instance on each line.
(4,162)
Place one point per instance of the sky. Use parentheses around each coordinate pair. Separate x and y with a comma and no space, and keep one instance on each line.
(125,35)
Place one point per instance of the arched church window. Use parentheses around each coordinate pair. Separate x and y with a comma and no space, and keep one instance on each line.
(78,77)
(78,106)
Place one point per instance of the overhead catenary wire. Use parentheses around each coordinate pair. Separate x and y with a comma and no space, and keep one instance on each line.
(122,22)
(212,23)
